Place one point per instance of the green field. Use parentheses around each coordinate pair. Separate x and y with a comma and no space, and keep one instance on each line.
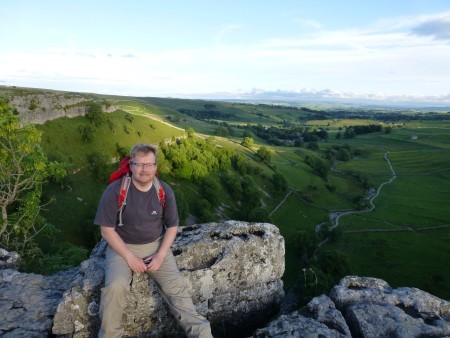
(404,240)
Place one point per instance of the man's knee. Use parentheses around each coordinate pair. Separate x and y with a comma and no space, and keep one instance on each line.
(114,293)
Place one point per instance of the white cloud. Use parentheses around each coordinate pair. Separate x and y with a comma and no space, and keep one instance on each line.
(436,27)
(406,56)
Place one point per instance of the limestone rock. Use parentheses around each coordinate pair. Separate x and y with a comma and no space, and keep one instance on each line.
(9,260)
(365,307)
(233,270)
(373,309)
(44,106)
(28,302)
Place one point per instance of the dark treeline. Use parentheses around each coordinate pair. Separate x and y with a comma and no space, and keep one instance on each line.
(367,129)
(391,116)
(209,111)
(295,135)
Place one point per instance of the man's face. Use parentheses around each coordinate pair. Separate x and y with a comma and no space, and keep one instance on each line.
(143,168)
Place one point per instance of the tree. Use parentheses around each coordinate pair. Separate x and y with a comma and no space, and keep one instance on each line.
(24,167)
(314,146)
(222,131)
(190,132)
(240,163)
(279,184)
(349,133)
(247,142)
(320,166)
(264,154)
(210,190)
(99,166)
(95,114)
(87,133)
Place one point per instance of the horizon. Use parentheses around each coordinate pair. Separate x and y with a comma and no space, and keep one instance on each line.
(380,53)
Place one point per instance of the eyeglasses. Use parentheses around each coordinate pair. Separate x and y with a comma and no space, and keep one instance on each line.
(144,165)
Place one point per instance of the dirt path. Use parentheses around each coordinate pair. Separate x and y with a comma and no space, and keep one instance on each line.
(336,216)
(138,112)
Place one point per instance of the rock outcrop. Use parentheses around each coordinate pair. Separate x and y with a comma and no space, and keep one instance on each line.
(369,308)
(44,106)
(233,271)
(9,260)
(28,302)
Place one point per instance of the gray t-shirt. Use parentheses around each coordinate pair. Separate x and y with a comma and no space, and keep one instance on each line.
(143,217)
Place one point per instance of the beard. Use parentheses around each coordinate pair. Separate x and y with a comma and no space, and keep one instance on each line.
(143,178)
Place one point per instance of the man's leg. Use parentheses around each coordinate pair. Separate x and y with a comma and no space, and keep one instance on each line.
(174,292)
(114,295)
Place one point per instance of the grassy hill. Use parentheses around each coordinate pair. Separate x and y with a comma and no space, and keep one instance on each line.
(403,240)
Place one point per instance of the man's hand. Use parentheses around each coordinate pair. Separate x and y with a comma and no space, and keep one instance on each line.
(136,264)
(110,235)
(158,258)
(156,261)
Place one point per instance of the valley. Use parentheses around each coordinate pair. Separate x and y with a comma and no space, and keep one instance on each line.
(381,197)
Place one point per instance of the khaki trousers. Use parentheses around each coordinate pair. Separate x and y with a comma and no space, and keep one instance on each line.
(118,277)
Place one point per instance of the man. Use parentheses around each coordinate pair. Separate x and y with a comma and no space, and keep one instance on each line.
(147,232)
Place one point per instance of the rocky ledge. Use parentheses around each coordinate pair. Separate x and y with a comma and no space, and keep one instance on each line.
(365,307)
(234,272)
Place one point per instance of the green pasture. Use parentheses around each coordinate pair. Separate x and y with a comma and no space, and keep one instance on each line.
(415,202)
(240,113)
(431,137)
(347,189)
(444,124)
(340,123)
(161,114)
(412,259)
(70,146)
(294,216)
(420,162)
(73,211)
(297,173)
(372,165)
(364,220)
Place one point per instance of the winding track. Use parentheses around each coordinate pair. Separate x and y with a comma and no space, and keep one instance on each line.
(335,216)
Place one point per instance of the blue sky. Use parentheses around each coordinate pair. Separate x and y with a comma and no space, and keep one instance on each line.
(397,49)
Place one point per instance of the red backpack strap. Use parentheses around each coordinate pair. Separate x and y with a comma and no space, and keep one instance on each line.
(122,199)
(160,191)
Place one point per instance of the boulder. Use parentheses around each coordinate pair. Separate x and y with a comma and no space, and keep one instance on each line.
(365,307)
(9,260)
(233,270)
(28,302)
(373,309)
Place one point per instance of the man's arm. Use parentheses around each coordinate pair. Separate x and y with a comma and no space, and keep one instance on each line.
(158,257)
(110,235)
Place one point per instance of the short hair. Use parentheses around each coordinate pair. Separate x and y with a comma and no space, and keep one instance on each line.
(143,148)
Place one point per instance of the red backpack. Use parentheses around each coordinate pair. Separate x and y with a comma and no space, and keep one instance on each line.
(124,172)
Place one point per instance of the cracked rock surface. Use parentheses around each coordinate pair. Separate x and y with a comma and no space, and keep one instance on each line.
(233,271)
(365,307)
